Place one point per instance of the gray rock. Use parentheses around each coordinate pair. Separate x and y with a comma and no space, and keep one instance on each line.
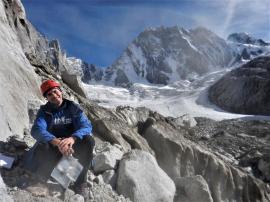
(17,142)
(38,190)
(76,198)
(33,107)
(141,179)
(186,121)
(104,192)
(68,194)
(264,167)
(18,79)
(99,179)
(73,82)
(3,192)
(107,158)
(121,79)
(192,189)
(90,176)
(244,90)
(242,142)
(112,126)
(245,38)
(179,157)
(110,177)
(132,116)
(24,196)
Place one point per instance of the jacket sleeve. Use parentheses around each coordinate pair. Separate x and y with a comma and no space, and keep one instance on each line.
(81,124)
(39,130)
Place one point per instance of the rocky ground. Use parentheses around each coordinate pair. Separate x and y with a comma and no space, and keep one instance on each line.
(242,144)
(23,185)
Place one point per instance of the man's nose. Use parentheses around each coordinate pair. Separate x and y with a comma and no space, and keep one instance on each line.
(54,94)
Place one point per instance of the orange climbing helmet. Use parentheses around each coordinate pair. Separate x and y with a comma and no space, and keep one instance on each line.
(48,85)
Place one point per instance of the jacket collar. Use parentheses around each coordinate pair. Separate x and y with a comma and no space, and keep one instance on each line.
(49,107)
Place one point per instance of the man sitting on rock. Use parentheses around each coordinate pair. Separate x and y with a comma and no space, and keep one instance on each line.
(60,128)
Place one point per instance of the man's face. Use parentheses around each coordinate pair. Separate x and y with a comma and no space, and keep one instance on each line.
(54,96)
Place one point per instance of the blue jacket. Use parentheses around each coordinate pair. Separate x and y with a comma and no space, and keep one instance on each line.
(65,121)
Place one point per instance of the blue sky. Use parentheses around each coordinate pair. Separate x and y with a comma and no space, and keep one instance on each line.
(97,31)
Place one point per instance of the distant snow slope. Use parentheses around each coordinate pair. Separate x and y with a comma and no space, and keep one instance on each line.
(179,98)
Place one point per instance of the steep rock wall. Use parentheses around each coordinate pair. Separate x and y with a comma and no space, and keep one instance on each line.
(17,76)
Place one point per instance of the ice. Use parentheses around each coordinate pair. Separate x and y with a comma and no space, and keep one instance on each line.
(176,99)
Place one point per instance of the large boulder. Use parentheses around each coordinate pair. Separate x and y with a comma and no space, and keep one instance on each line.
(110,177)
(192,189)
(114,127)
(264,167)
(179,157)
(107,158)
(73,81)
(244,90)
(141,179)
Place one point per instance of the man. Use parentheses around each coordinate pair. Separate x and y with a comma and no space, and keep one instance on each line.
(60,128)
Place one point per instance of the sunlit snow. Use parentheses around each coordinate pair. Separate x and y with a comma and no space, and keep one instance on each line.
(179,98)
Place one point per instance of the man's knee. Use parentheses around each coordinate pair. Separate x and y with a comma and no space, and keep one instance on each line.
(89,140)
(40,158)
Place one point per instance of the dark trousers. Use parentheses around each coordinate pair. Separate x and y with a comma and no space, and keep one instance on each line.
(46,156)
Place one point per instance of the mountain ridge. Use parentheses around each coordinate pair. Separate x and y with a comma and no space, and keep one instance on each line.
(163,55)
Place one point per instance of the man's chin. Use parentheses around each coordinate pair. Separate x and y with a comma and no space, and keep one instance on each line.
(57,102)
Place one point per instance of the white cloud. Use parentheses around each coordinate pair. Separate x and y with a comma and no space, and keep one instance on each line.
(225,17)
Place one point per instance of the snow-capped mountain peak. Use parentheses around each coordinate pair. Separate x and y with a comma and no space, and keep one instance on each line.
(164,55)
(246,47)
(167,54)
(245,38)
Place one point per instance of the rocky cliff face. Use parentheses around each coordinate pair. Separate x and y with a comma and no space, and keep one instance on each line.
(87,72)
(245,38)
(24,51)
(18,79)
(174,150)
(36,47)
(246,47)
(39,51)
(244,90)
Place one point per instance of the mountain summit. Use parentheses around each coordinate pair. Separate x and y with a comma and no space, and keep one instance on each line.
(167,54)
(164,55)
(245,38)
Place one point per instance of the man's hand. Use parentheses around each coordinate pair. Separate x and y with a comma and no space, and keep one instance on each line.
(65,146)
(55,141)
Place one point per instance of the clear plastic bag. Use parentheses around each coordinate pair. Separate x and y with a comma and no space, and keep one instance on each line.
(67,170)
